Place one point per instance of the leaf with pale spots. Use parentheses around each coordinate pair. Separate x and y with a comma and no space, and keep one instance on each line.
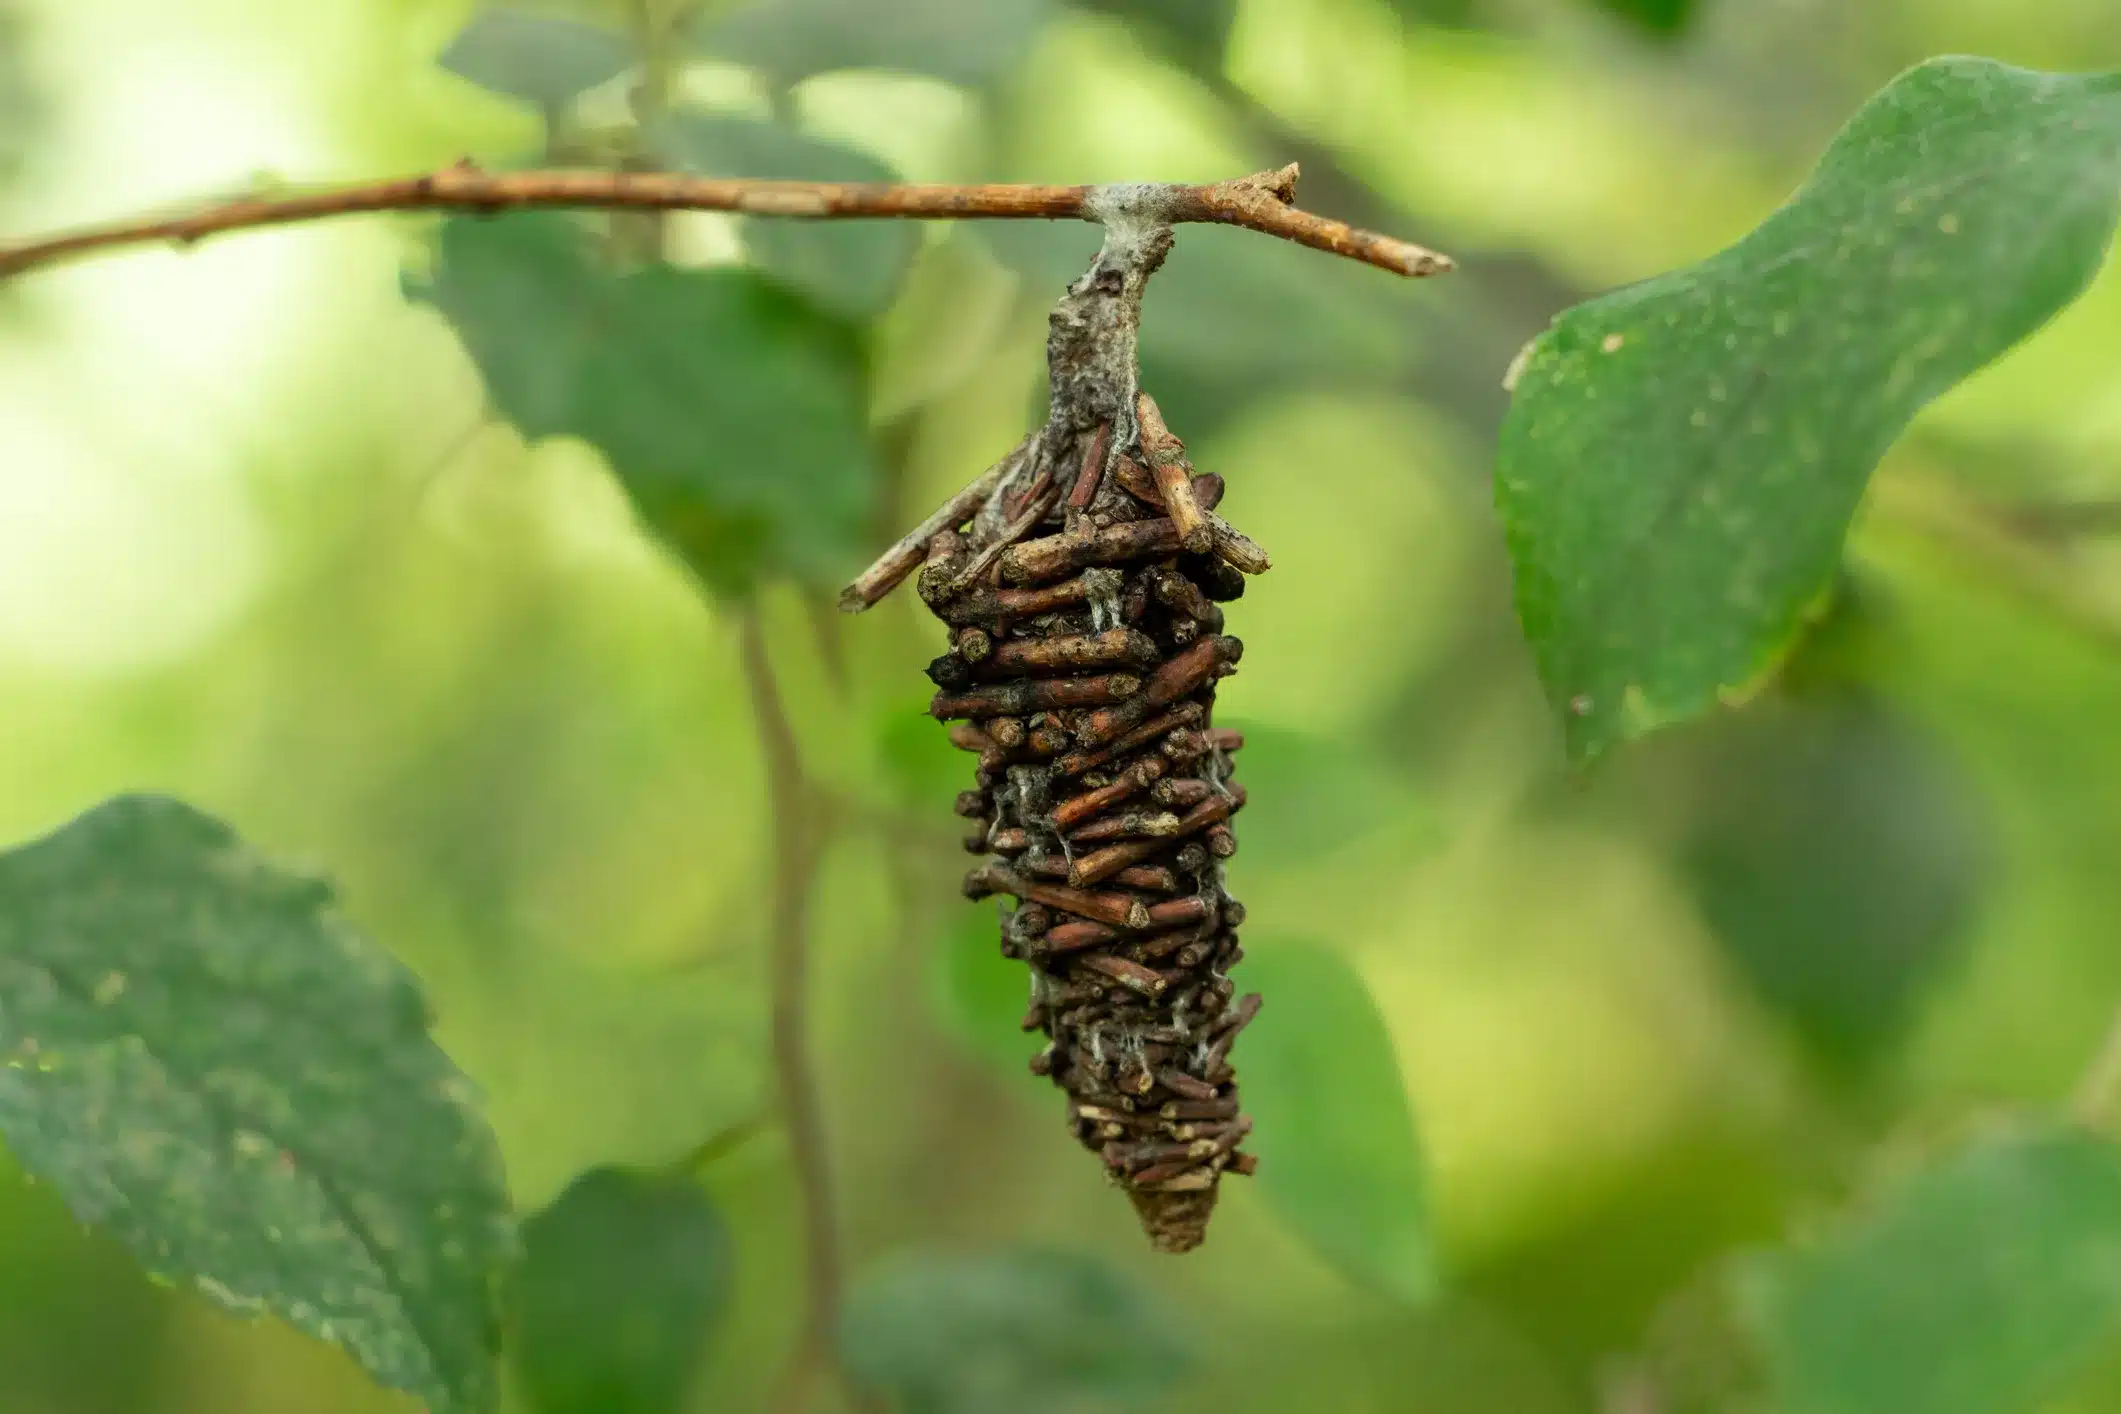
(206,1061)
(1682,457)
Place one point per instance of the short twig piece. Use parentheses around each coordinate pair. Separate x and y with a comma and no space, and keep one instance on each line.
(904,557)
(1174,478)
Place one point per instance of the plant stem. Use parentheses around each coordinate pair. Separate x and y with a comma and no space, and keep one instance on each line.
(796,850)
(1262,202)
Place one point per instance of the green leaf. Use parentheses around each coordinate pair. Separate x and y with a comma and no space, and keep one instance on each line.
(1195,32)
(1840,855)
(1310,795)
(969,42)
(851,268)
(1664,19)
(1980,1287)
(625,1278)
(205,1060)
(531,303)
(1032,1332)
(1682,457)
(982,995)
(731,411)
(1339,1160)
(541,59)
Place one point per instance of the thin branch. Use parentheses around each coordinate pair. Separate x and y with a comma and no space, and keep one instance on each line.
(723,1142)
(797,845)
(1263,202)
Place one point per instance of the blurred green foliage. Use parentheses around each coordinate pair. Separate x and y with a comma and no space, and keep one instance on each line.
(1533,1083)
(625,1277)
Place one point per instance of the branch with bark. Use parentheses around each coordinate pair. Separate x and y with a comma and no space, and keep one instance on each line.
(1264,202)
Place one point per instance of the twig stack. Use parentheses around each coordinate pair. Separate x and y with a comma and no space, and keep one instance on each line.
(1082,580)
(1082,671)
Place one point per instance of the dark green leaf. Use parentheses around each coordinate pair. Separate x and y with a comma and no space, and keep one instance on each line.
(532,304)
(848,267)
(981,994)
(1339,1160)
(1194,32)
(541,59)
(624,1279)
(729,409)
(1840,855)
(732,413)
(1663,18)
(1029,1332)
(1980,1287)
(969,42)
(206,1061)
(1682,457)
(1310,794)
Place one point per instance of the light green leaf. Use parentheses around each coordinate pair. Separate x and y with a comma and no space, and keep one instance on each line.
(1031,1332)
(1682,457)
(541,59)
(206,1061)
(625,1278)
(1980,1287)
(850,268)
(1339,1159)
(731,411)
(968,42)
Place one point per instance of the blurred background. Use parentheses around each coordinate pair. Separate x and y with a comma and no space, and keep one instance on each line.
(262,546)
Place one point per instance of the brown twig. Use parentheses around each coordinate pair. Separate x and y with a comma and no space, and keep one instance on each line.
(1263,202)
(797,846)
(1174,479)
(905,556)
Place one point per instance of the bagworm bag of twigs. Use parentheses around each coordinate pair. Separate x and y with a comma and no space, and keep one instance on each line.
(1082,581)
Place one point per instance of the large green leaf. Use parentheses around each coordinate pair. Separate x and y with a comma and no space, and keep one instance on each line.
(541,59)
(731,411)
(968,42)
(206,1061)
(1339,1159)
(1980,1287)
(1031,1332)
(624,1279)
(1682,457)
(849,267)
